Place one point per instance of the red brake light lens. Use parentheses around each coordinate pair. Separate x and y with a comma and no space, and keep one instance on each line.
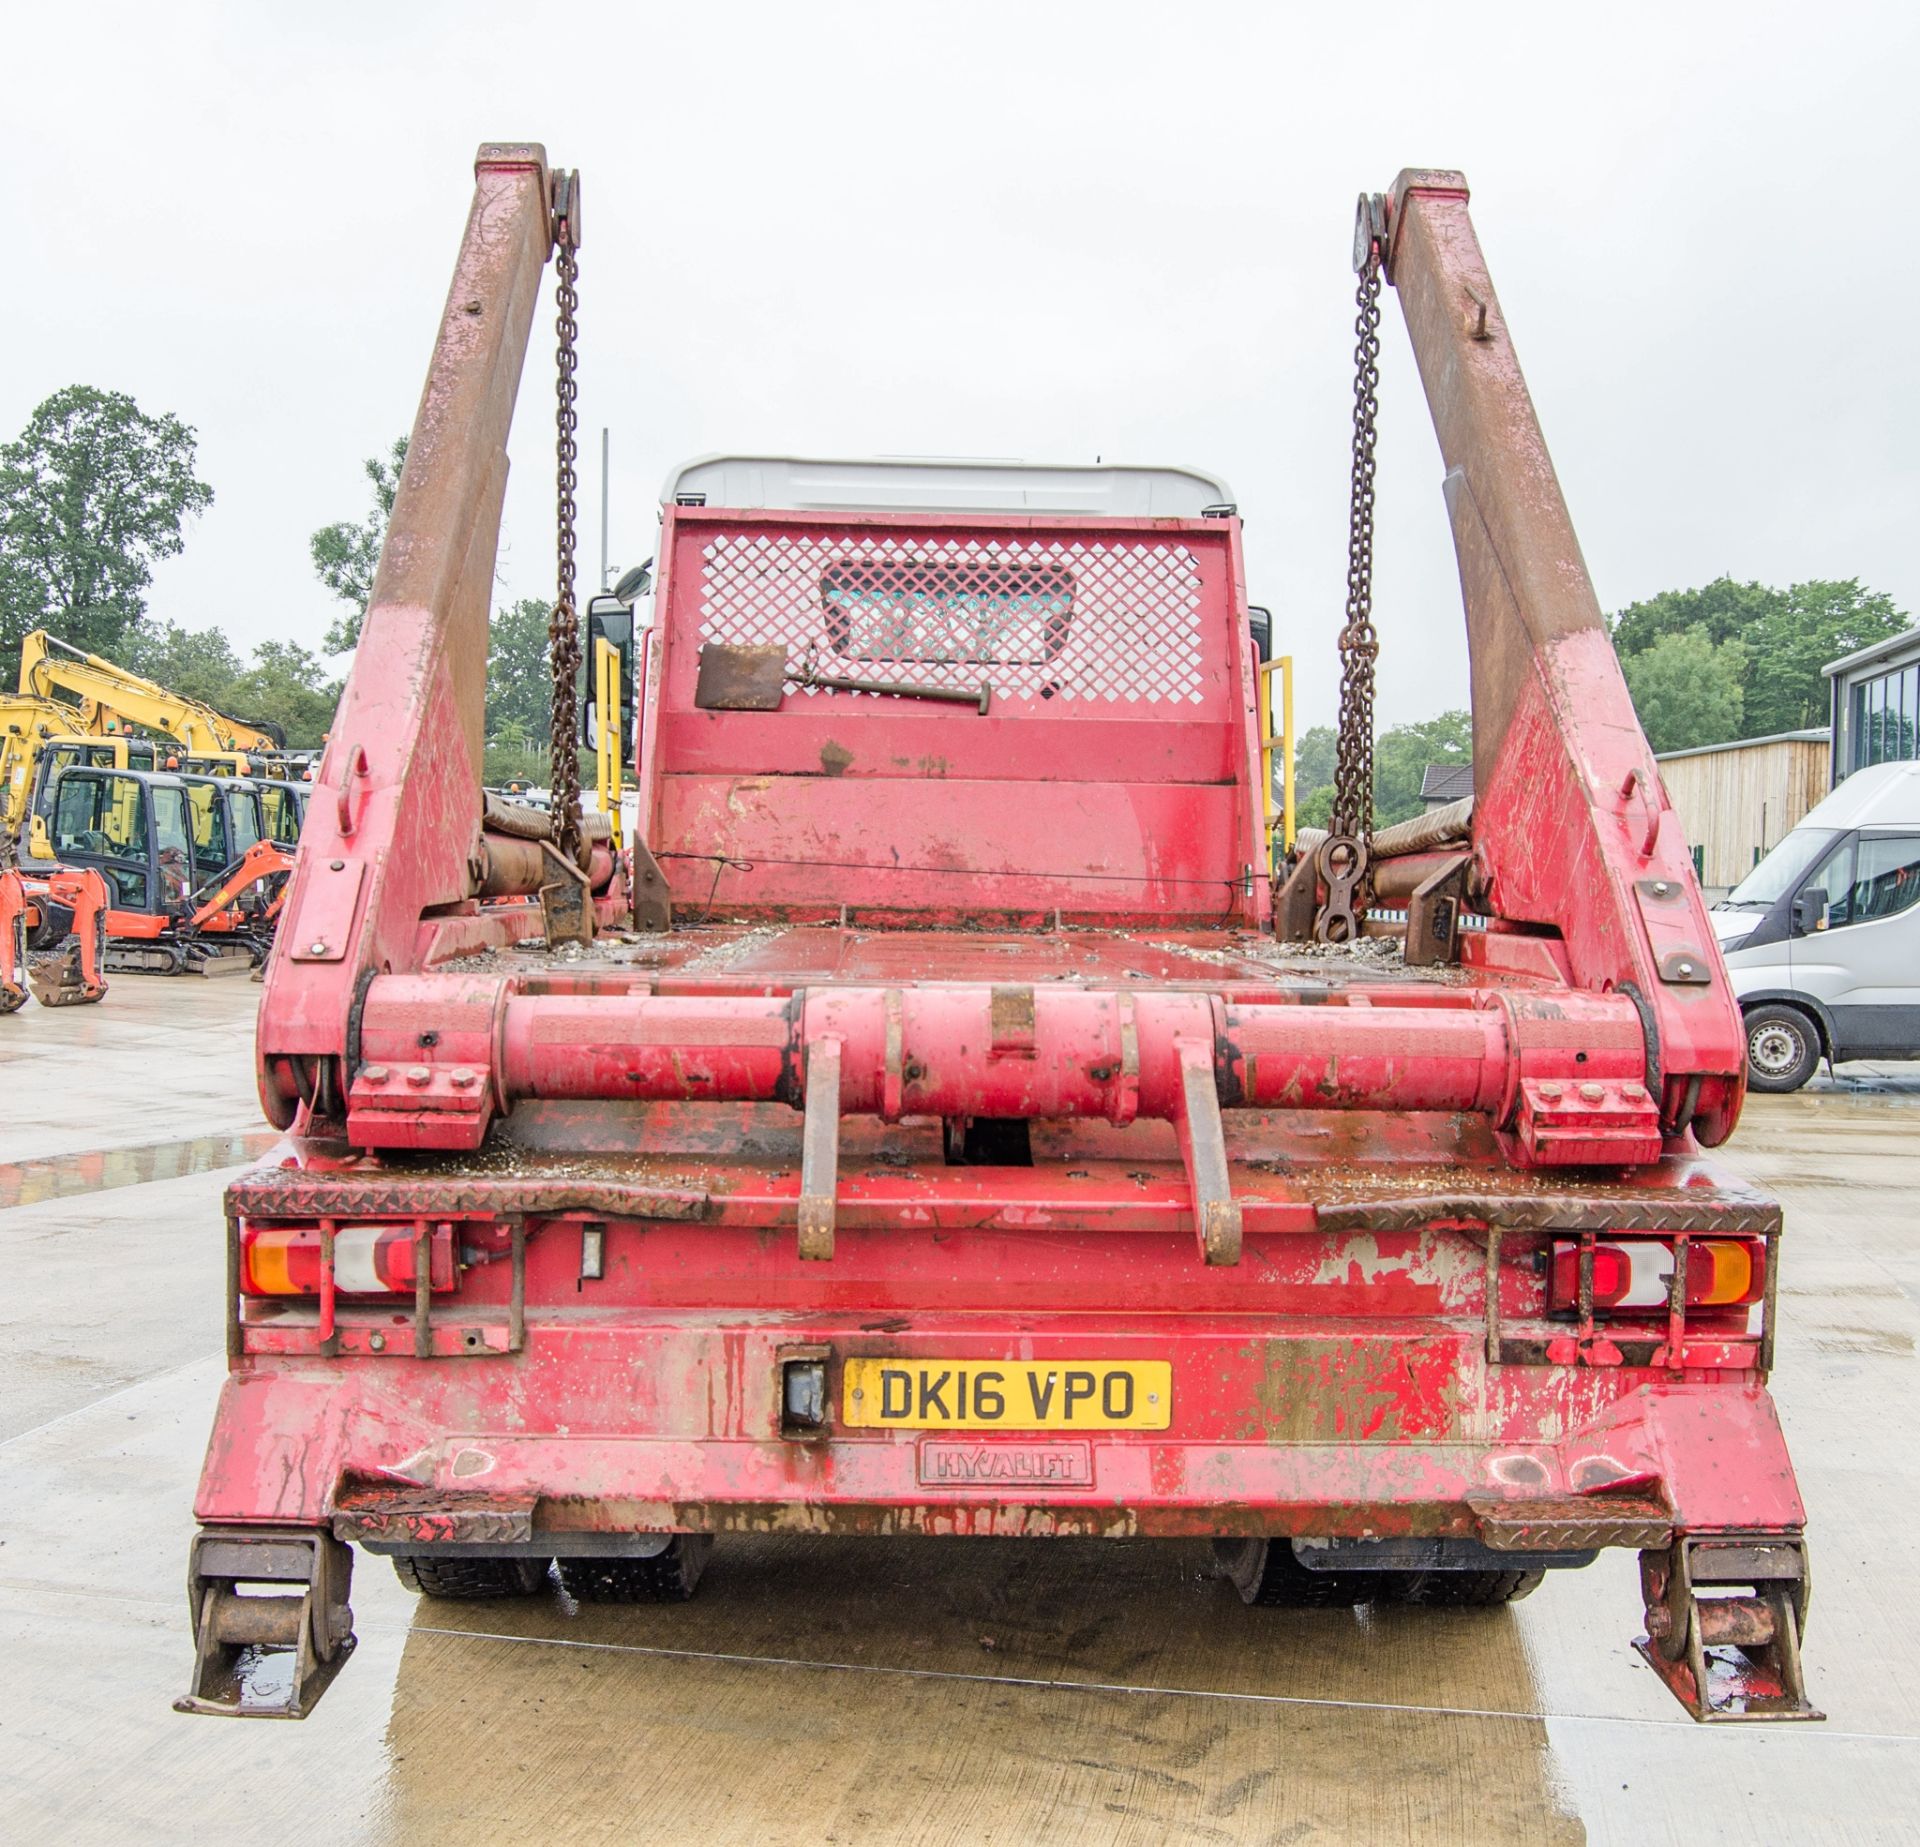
(1637,1273)
(367,1259)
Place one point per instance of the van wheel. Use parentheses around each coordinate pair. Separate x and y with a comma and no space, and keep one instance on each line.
(1783,1047)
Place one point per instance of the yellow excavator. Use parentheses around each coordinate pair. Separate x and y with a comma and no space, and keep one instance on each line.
(105,699)
(32,728)
(105,691)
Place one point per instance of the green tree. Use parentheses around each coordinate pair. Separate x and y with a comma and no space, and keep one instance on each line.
(1724,609)
(519,687)
(288,686)
(1815,623)
(1313,761)
(284,685)
(346,555)
(200,663)
(1401,756)
(1786,636)
(1687,689)
(1315,808)
(92,492)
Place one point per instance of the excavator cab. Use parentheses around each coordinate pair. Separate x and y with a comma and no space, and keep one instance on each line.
(134,827)
(172,849)
(283,806)
(229,820)
(60,754)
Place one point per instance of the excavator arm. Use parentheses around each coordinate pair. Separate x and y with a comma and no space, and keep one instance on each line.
(265,859)
(69,974)
(48,664)
(26,723)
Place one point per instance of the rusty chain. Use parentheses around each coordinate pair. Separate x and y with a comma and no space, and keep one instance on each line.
(563,627)
(1347,853)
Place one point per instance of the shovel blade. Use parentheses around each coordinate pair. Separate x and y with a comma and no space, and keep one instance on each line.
(740,679)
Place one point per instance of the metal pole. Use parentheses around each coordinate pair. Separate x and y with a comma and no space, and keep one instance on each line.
(603,508)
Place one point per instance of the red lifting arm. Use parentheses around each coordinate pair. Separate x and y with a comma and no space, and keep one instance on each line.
(1571,825)
(393,831)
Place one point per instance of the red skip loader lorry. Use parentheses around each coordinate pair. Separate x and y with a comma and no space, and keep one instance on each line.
(933,1121)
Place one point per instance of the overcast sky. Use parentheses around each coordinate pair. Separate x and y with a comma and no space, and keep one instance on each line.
(1053,231)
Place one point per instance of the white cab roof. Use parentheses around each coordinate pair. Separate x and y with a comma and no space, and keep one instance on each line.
(1884,795)
(940,484)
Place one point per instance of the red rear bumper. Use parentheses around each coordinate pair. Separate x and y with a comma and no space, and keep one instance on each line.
(675,1423)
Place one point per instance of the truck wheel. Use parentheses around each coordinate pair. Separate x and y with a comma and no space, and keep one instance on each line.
(470,1580)
(1461,1590)
(668,1577)
(1265,1571)
(1783,1047)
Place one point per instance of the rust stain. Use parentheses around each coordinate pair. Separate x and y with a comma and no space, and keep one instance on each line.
(1348,1390)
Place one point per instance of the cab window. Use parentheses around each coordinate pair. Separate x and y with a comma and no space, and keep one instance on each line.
(1886,877)
(104,818)
(210,855)
(244,817)
(1868,877)
(282,816)
(100,815)
(173,842)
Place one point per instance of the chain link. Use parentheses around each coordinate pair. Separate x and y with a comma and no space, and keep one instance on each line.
(563,627)
(1346,855)
(1359,645)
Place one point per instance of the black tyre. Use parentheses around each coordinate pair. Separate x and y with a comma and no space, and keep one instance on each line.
(1783,1047)
(1265,1571)
(671,1576)
(1460,1590)
(470,1580)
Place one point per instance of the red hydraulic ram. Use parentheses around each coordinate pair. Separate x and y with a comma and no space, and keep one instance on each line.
(1008,1051)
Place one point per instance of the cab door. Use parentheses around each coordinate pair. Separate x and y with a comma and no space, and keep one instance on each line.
(1856,942)
(104,820)
(55,759)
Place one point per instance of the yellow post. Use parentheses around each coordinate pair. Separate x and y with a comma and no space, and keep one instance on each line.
(1284,740)
(606,737)
(1286,748)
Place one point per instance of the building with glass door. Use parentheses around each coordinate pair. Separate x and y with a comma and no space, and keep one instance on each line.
(1876,704)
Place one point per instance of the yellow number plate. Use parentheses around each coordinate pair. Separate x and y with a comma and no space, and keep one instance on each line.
(1007,1394)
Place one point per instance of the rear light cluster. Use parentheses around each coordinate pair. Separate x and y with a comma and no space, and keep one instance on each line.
(1637,1273)
(367,1259)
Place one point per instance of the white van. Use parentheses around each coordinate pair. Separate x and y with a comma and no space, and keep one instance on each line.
(1822,938)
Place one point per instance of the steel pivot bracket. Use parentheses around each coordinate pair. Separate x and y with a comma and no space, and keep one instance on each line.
(1297,901)
(235,1636)
(1203,1149)
(820,1149)
(1433,913)
(565,901)
(1731,1656)
(652,907)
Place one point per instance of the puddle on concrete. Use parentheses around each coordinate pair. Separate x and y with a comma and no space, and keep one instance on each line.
(61,1176)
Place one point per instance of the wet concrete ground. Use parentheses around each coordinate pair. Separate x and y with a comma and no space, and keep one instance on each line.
(866,1691)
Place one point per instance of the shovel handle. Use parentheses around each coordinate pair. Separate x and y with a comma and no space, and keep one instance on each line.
(899,689)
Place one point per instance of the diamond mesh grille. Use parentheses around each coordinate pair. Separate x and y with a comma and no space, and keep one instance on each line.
(1113,620)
